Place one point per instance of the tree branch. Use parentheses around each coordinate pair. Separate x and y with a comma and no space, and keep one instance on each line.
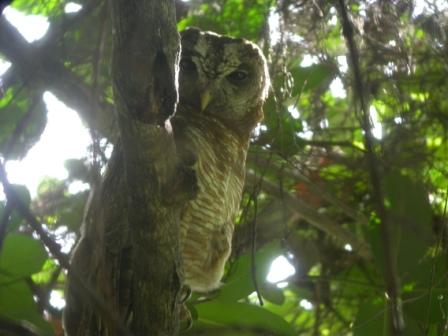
(39,69)
(145,54)
(391,274)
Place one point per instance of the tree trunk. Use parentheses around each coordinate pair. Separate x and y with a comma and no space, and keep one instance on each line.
(129,250)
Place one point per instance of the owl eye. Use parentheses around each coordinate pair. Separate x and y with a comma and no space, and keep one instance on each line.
(187,65)
(238,75)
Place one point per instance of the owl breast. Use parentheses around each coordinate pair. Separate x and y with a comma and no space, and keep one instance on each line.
(207,221)
(223,83)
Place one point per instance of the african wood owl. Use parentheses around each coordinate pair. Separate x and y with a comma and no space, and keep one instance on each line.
(223,83)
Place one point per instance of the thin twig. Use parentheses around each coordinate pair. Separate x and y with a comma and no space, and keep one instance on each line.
(253,236)
(255,192)
(21,126)
(252,253)
(391,274)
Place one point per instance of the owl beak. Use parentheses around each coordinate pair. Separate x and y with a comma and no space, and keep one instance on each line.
(205,100)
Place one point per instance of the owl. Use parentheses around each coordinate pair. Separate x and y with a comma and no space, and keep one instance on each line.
(223,83)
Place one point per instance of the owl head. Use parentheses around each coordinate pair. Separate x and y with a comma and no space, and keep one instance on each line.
(222,77)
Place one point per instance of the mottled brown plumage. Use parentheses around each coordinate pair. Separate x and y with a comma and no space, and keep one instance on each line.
(223,83)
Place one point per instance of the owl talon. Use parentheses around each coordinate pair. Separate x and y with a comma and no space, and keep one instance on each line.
(185,293)
(186,321)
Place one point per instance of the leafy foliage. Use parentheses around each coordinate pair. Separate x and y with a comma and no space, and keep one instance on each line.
(310,197)
(23,114)
(21,257)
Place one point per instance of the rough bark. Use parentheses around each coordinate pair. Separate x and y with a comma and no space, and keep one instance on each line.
(129,250)
(145,56)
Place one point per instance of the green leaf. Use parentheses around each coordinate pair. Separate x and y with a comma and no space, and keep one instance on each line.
(22,193)
(17,303)
(409,200)
(14,218)
(428,300)
(357,281)
(309,78)
(232,17)
(282,130)
(432,271)
(412,327)
(272,293)
(373,236)
(22,110)
(370,320)
(411,218)
(239,283)
(71,210)
(20,257)
(45,8)
(46,272)
(427,307)
(243,315)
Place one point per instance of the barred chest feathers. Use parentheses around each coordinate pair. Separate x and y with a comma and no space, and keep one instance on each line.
(207,222)
(223,83)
